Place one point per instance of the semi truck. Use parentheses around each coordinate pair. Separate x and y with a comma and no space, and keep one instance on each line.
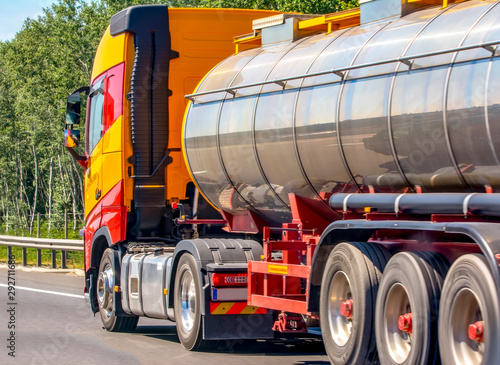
(252,173)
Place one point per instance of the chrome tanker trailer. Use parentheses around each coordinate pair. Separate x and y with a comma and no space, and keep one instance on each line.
(353,161)
(376,150)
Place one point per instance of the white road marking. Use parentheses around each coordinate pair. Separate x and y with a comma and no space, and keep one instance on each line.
(45,291)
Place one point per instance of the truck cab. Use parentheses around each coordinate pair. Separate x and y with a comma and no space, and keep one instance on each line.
(136,181)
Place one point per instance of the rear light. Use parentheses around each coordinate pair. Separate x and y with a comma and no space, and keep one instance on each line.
(220,280)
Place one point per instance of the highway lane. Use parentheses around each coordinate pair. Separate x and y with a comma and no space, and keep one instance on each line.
(59,329)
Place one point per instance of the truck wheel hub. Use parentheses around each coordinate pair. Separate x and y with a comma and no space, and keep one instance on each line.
(105,288)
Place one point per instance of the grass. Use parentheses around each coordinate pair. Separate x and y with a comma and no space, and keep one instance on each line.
(55,232)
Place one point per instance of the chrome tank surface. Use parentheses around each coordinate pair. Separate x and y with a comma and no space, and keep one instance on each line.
(433,125)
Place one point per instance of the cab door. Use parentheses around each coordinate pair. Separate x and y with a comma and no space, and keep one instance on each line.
(93,175)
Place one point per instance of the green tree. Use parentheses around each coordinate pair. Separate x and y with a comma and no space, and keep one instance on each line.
(308,7)
(49,58)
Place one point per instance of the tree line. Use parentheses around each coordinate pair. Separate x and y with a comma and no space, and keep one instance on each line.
(49,58)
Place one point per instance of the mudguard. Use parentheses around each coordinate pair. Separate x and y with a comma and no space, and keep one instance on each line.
(225,255)
(213,251)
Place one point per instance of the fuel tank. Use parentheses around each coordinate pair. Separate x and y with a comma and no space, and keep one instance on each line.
(400,105)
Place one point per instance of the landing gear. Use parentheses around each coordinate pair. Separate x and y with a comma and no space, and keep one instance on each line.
(347,301)
(407,308)
(468,324)
(105,286)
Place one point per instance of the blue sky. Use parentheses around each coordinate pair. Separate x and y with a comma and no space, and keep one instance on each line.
(14,12)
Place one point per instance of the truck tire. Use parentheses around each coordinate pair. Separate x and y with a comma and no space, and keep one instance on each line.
(469,298)
(407,309)
(187,305)
(105,285)
(347,300)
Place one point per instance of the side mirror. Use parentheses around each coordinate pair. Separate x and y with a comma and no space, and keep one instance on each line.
(73,105)
(71,138)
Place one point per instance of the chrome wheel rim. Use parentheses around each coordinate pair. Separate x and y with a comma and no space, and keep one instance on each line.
(399,342)
(188,300)
(105,290)
(465,311)
(339,292)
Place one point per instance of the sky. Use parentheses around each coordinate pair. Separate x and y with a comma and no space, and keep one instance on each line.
(14,12)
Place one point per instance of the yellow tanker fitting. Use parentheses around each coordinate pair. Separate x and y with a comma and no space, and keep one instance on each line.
(307,24)
(330,22)
(334,21)
(251,39)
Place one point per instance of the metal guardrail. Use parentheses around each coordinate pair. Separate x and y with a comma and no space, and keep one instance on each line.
(40,244)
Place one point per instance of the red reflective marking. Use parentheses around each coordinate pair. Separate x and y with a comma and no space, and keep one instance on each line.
(229,280)
(214,306)
(237,308)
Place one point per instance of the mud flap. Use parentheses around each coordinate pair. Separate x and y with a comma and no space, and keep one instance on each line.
(91,290)
(238,327)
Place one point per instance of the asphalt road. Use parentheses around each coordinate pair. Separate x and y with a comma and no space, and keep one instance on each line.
(54,325)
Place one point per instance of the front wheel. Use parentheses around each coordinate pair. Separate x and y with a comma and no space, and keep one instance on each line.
(105,285)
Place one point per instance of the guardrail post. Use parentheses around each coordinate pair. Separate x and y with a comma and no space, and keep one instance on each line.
(25,257)
(65,224)
(54,256)
(9,252)
(63,259)
(63,253)
(38,257)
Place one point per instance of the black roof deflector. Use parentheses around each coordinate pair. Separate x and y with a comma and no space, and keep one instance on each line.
(137,19)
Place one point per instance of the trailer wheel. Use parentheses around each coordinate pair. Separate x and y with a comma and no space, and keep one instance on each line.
(407,308)
(347,301)
(468,323)
(105,285)
(187,305)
